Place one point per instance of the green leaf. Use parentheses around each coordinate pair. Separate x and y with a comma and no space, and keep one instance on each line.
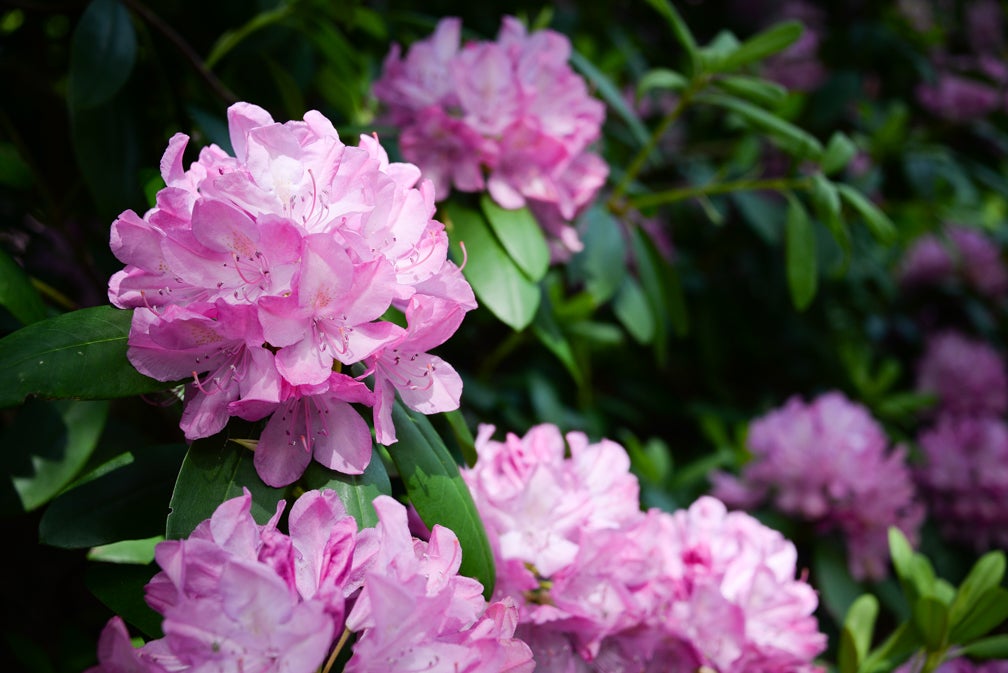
(930,616)
(631,309)
(463,436)
(601,265)
(661,78)
(716,52)
(436,490)
(826,200)
(215,470)
(355,490)
(830,575)
(547,329)
(46,446)
(14,170)
(498,283)
(80,354)
(989,610)
(612,95)
(878,224)
(900,644)
(679,28)
(17,294)
(856,637)
(522,237)
(994,647)
(102,54)
(753,89)
(661,283)
(775,39)
(902,556)
(137,552)
(985,574)
(795,141)
(839,151)
(126,503)
(800,251)
(121,588)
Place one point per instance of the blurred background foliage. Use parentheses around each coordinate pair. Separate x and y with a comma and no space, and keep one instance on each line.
(685,316)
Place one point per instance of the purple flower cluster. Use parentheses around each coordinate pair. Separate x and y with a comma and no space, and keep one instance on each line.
(957,665)
(964,470)
(604,586)
(963,254)
(237,596)
(261,277)
(827,462)
(508,116)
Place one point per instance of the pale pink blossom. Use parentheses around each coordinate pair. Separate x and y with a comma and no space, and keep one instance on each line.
(966,374)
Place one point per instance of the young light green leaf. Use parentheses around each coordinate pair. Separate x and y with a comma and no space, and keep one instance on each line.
(611,94)
(839,151)
(135,552)
(856,637)
(17,294)
(877,222)
(989,610)
(80,354)
(498,283)
(930,616)
(712,55)
(902,559)
(102,54)
(775,39)
(801,256)
(436,490)
(520,234)
(661,78)
(985,574)
(993,647)
(792,139)
(753,89)
(356,491)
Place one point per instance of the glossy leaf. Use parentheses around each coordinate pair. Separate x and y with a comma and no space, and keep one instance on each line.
(80,354)
(498,283)
(17,294)
(46,446)
(520,234)
(989,610)
(102,54)
(796,141)
(839,151)
(121,588)
(985,574)
(801,256)
(135,552)
(877,222)
(215,470)
(126,503)
(356,491)
(436,490)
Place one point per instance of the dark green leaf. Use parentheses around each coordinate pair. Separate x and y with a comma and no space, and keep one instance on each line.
(878,224)
(547,330)
(679,28)
(802,267)
(436,490)
(930,616)
(661,283)
(121,588)
(989,610)
(215,470)
(463,436)
(80,354)
(46,446)
(355,490)
(795,141)
(830,575)
(522,237)
(498,283)
(14,170)
(661,78)
(839,151)
(985,574)
(101,55)
(900,644)
(17,294)
(127,503)
(612,95)
(775,39)
(631,308)
(826,199)
(994,647)
(753,89)
(601,265)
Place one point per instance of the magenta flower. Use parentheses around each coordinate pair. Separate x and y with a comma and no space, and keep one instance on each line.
(604,586)
(827,462)
(509,117)
(259,277)
(238,596)
(961,254)
(966,374)
(964,478)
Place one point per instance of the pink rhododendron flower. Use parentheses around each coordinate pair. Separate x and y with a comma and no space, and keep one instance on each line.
(259,277)
(964,478)
(828,462)
(956,665)
(604,586)
(962,254)
(966,374)
(239,596)
(509,117)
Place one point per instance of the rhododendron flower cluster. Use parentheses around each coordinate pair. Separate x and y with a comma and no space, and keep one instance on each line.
(508,116)
(827,462)
(962,254)
(261,277)
(604,586)
(956,665)
(239,596)
(966,374)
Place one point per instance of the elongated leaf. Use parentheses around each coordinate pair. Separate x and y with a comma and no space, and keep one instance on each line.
(438,493)
(795,141)
(893,651)
(994,647)
(498,283)
(661,78)
(878,224)
(836,587)
(611,94)
(679,28)
(46,446)
(631,308)
(120,587)
(826,200)
(985,574)
(601,265)
(463,436)
(134,552)
(753,89)
(856,637)
(522,237)
(839,151)
(215,470)
(80,354)
(127,503)
(802,266)
(355,490)
(989,610)
(547,330)
(102,54)
(17,294)
(775,39)
(930,617)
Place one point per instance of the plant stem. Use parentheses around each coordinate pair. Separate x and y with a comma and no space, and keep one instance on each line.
(693,191)
(336,650)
